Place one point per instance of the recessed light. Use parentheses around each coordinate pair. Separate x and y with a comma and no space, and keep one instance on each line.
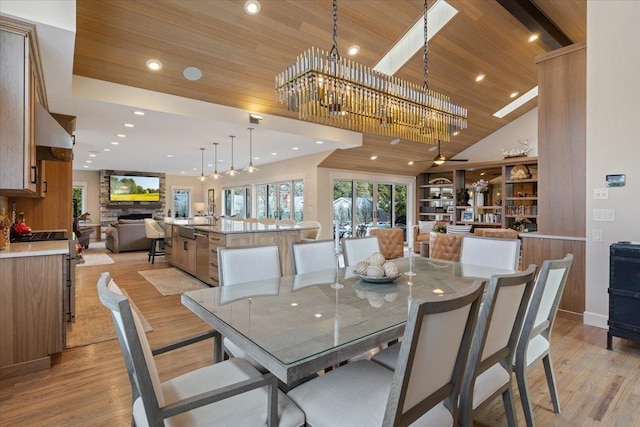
(274,154)
(86,166)
(115,143)
(294,304)
(353,50)
(410,163)
(182,172)
(318,315)
(374,157)
(195,169)
(295,148)
(171,155)
(252,7)
(533,37)
(513,94)
(139,113)
(88,161)
(106,149)
(92,155)
(480,77)
(154,65)
(319,142)
(456,133)
(128,125)
(192,73)
(394,141)
(482,173)
(256,158)
(121,135)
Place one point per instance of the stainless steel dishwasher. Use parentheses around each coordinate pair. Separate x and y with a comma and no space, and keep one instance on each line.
(202,257)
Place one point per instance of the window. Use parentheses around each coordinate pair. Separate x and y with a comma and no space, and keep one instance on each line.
(281,200)
(79,197)
(181,202)
(237,202)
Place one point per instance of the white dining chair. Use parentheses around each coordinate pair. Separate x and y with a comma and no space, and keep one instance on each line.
(490,252)
(268,221)
(240,265)
(356,249)
(287,222)
(310,234)
(534,342)
(217,394)
(308,257)
(488,371)
(422,391)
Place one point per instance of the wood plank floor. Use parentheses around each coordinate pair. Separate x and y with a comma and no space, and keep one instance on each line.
(89,385)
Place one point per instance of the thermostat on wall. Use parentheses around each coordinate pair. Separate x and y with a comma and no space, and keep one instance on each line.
(616,180)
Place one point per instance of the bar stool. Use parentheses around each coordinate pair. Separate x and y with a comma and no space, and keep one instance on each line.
(156,234)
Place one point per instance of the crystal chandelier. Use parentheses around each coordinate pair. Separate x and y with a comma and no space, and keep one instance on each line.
(327,89)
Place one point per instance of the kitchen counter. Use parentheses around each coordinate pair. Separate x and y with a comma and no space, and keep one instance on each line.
(53,247)
(228,227)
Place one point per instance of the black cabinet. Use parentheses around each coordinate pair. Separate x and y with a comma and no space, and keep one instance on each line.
(624,292)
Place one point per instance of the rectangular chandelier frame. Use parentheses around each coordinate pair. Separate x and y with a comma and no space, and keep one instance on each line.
(342,93)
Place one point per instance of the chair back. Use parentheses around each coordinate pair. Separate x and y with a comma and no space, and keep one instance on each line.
(543,307)
(307,235)
(286,222)
(356,249)
(391,241)
(143,374)
(423,378)
(490,252)
(152,229)
(309,257)
(499,324)
(251,220)
(248,264)
(268,221)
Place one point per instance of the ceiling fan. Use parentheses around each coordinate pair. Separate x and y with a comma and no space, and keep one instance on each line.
(440,159)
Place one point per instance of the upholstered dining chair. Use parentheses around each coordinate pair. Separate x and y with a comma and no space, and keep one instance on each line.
(314,256)
(490,252)
(356,249)
(311,234)
(286,222)
(154,232)
(251,220)
(488,371)
(423,390)
(268,221)
(533,344)
(229,391)
(242,265)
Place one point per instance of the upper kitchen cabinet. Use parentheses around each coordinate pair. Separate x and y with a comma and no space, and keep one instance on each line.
(21,88)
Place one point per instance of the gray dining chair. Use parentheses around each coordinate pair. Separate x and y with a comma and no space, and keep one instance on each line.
(490,252)
(356,249)
(488,372)
(534,342)
(424,388)
(229,391)
(242,265)
(309,257)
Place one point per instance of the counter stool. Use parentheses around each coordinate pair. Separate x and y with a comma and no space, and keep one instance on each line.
(156,234)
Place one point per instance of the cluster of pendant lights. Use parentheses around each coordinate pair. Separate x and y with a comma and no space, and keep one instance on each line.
(232,171)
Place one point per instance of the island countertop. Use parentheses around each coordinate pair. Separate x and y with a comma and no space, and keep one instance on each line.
(229,227)
(53,247)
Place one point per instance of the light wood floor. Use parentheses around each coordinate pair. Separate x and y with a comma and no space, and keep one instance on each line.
(89,385)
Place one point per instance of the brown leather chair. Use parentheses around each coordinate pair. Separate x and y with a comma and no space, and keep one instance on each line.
(445,246)
(502,233)
(391,242)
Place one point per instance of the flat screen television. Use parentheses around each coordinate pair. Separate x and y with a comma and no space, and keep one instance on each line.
(134,188)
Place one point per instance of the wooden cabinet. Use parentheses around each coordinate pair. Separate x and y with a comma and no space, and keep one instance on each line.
(31,312)
(184,254)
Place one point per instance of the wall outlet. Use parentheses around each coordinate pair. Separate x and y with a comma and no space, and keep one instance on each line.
(601,193)
(597,236)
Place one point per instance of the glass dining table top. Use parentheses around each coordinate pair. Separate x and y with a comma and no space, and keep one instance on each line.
(296,318)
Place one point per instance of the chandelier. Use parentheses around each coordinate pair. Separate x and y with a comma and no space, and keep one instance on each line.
(327,89)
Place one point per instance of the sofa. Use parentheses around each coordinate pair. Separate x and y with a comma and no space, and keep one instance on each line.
(127,235)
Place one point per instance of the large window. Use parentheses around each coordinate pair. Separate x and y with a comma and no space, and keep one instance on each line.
(181,202)
(79,197)
(237,202)
(281,200)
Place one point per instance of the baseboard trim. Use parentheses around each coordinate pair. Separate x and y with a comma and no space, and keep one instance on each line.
(571,315)
(595,319)
(25,367)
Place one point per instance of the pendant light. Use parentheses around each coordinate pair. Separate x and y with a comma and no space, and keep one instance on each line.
(251,168)
(232,170)
(215,166)
(202,177)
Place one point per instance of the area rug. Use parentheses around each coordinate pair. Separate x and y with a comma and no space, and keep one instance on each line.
(96,259)
(171,281)
(93,320)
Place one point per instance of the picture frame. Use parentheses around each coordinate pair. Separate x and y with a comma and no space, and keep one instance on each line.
(450,209)
(211,206)
(467,216)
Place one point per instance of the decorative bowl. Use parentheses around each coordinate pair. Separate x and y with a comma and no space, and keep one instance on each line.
(371,279)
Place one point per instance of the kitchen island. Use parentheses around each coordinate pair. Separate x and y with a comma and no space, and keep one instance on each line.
(193,248)
(32,305)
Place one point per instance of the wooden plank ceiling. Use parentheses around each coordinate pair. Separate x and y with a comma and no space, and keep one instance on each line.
(240,54)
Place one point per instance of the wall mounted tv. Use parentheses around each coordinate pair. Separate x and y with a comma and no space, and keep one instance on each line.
(134,188)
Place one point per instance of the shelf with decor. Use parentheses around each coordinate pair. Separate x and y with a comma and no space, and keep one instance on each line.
(436,198)
(521,196)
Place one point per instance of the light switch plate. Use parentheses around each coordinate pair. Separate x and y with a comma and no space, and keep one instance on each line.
(597,236)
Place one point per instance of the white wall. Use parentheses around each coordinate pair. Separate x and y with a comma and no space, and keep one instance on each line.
(490,148)
(613,111)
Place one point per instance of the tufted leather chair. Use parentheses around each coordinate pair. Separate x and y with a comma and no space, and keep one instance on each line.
(391,242)
(445,246)
(501,233)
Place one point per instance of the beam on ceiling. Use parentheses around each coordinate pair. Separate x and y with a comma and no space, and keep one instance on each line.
(536,21)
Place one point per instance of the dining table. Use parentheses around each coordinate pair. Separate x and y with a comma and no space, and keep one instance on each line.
(298,325)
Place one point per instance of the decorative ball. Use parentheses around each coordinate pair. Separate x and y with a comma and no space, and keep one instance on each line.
(375,271)
(361,267)
(390,269)
(376,258)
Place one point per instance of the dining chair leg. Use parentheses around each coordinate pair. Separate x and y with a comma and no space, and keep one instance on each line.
(523,388)
(551,381)
(507,398)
